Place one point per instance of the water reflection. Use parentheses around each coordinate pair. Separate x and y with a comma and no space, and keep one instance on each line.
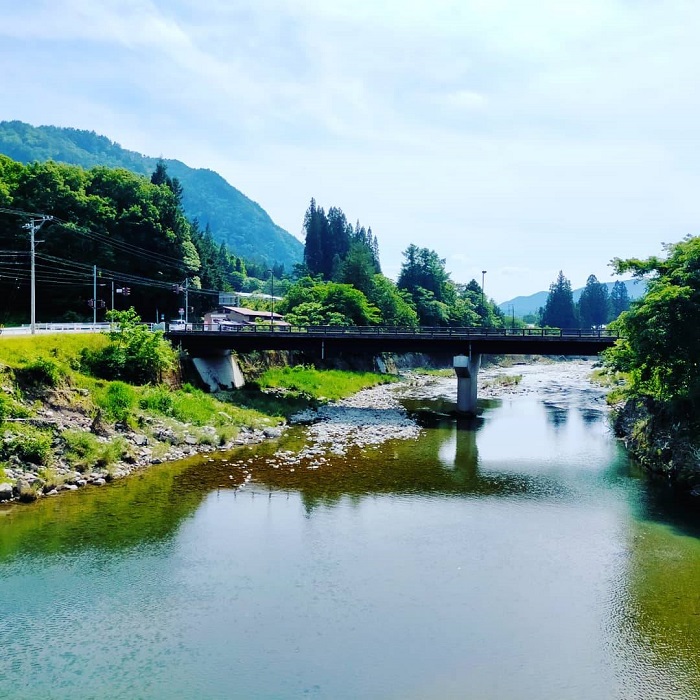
(431,565)
(556,415)
(492,455)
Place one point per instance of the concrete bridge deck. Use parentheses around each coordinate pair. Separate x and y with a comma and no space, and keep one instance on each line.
(202,340)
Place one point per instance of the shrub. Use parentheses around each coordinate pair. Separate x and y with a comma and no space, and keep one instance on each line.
(43,371)
(118,401)
(158,398)
(28,444)
(84,451)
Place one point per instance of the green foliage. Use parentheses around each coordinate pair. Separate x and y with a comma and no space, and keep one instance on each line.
(241,224)
(27,443)
(134,354)
(118,401)
(10,408)
(423,269)
(619,299)
(64,348)
(321,384)
(43,371)
(309,302)
(559,310)
(336,251)
(157,398)
(393,304)
(661,347)
(84,451)
(594,304)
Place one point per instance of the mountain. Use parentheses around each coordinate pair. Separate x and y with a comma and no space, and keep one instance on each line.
(243,225)
(522,306)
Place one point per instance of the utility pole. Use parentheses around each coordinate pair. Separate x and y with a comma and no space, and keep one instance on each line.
(112,295)
(187,300)
(33,226)
(272,299)
(94,295)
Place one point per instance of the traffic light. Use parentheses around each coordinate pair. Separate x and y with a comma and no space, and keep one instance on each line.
(91,303)
(126,291)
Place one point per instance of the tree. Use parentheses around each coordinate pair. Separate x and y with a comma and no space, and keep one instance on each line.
(619,299)
(310,302)
(393,304)
(315,225)
(134,354)
(661,345)
(559,311)
(594,304)
(358,268)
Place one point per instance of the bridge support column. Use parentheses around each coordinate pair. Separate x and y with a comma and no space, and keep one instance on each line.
(466,368)
(219,371)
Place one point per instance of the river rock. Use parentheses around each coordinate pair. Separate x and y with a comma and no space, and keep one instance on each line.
(6,492)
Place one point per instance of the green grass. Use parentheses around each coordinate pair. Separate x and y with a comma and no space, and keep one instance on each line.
(504,380)
(30,365)
(444,372)
(85,452)
(191,405)
(64,348)
(321,384)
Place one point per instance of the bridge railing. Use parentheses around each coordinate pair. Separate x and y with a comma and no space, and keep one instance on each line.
(398,331)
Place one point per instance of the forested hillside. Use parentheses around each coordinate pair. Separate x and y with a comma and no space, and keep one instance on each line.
(235,220)
(109,230)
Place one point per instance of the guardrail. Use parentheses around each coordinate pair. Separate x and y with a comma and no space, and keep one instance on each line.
(26,329)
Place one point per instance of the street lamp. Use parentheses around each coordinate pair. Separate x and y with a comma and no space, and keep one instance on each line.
(483,273)
(272,299)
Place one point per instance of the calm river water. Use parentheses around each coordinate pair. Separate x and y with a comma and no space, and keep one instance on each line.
(519,556)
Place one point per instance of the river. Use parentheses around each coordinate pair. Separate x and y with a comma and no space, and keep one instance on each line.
(519,555)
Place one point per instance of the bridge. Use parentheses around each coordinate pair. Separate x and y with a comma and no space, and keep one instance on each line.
(466,344)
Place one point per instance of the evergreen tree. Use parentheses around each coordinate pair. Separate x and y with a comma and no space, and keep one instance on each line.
(337,242)
(358,268)
(594,304)
(559,311)
(619,299)
(315,225)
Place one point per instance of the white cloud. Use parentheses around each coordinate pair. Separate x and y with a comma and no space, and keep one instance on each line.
(505,135)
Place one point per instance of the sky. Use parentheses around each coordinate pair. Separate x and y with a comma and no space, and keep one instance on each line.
(519,137)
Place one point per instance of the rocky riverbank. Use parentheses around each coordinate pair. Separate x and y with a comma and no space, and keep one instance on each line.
(661,440)
(370,417)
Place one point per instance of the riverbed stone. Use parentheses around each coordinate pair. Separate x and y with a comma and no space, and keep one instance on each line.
(6,492)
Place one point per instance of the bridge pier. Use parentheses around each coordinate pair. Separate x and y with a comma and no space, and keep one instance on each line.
(219,371)
(467,368)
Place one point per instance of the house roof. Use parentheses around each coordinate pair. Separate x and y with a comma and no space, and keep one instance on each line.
(242,311)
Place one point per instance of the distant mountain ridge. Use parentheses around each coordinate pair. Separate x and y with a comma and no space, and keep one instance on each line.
(243,225)
(522,306)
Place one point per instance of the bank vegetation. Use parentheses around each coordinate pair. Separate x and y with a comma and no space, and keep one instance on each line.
(657,413)
(82,409)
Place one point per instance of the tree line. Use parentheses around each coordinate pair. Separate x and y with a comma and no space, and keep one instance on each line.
(341,283)
(125,224)
(595,308)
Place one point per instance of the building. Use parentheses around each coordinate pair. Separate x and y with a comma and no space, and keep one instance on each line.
(240,316)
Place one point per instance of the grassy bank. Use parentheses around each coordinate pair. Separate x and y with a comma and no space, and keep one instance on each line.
(58,421)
